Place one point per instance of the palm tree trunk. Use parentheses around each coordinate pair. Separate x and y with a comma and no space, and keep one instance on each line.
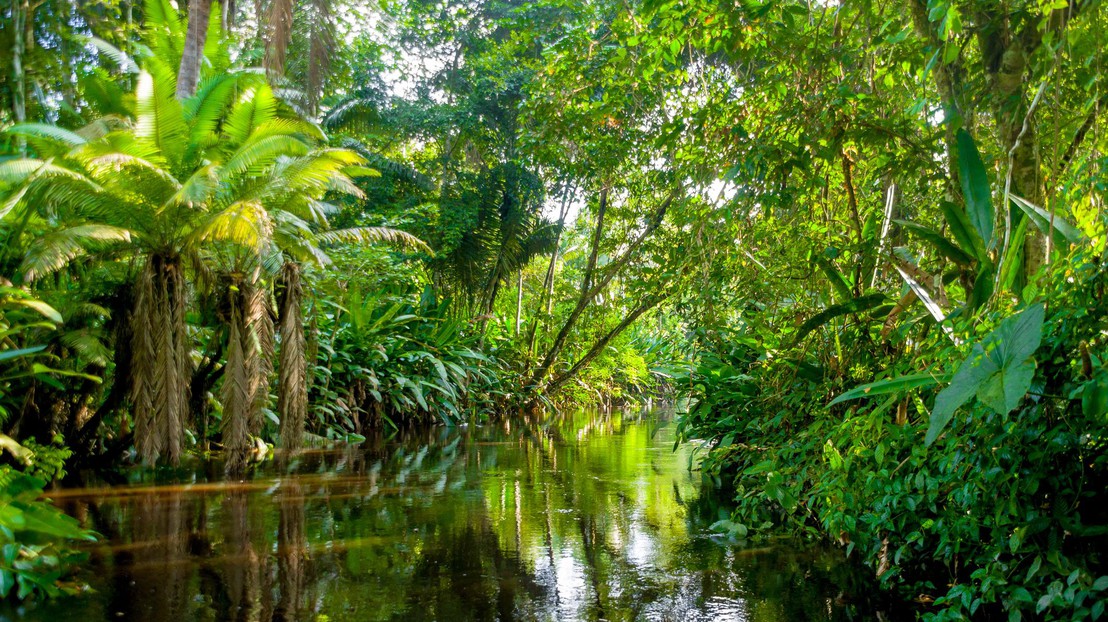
(245,387)
(197,35)
(292,385)
(321,46)
(292,557)
(161,360)
(278,35)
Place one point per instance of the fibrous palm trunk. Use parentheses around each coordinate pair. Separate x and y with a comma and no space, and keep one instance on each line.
(292,557)
(245,387)
(188,76)
(292,385)
(160,359)
(278,35)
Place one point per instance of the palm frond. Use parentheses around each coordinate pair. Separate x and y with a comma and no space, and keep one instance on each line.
(160,119)
(388,167)
(278,35)
(286,126)
(21,170)
(369,235)
(165,31)
(56,249)
(216,51)
(255,158)
(106,168)
(88,345)
(254,107)
(246,223)
(122,61)
(37,177)
(199,187)
(51,139)
(101,127)
(205,110)
(292,383)
(353,113)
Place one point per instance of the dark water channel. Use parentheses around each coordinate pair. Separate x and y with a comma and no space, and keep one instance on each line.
(586,518)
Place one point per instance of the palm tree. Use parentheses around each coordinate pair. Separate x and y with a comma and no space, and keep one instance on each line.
(301,237)
(187,176)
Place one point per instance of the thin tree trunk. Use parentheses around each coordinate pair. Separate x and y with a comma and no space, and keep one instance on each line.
(583,298)
(193,55)
(21,10)
(589,289)
(548,283)
(519,303)
(603,342)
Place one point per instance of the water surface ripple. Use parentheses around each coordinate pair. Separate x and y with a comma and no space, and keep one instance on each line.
(589,517)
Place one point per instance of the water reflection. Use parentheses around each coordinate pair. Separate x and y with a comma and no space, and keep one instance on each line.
(583,518)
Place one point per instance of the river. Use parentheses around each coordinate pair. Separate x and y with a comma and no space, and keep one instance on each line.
(587,517)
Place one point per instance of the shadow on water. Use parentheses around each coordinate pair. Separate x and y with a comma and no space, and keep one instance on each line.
(585,517)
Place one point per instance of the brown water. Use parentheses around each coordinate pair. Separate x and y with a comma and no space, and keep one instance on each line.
(585,518)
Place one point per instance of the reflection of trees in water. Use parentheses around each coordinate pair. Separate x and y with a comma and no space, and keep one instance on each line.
(242,576)
(150,579)
(292,559)
(470,578)
(581,517)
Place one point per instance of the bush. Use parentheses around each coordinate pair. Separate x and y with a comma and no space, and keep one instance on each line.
(1006,510)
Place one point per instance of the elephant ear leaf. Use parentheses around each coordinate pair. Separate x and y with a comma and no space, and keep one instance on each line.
(999,370)
(975,187)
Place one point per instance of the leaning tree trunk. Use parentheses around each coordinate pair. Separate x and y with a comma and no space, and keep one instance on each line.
(245,389)
(197,35)
(160,359)
(292,384)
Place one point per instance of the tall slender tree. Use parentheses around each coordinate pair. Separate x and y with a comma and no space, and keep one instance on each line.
(192,56)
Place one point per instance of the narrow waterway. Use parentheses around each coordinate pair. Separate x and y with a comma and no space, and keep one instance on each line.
(589,517)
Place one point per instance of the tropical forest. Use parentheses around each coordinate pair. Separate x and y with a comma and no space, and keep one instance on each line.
(553,310)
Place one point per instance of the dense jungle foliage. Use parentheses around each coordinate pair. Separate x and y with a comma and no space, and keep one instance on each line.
(865,239)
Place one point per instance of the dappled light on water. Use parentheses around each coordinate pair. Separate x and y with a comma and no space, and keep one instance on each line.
(587,517)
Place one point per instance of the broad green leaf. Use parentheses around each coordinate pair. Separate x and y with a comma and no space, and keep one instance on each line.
(838,281)
(1059,229)
(1013,260)
(983,285)
(963,231)
(928,302)
(999,370)
(12,354)
(944,246)
(975,187)
(891,385)
(1094,396)
(855,305)
(962,387)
